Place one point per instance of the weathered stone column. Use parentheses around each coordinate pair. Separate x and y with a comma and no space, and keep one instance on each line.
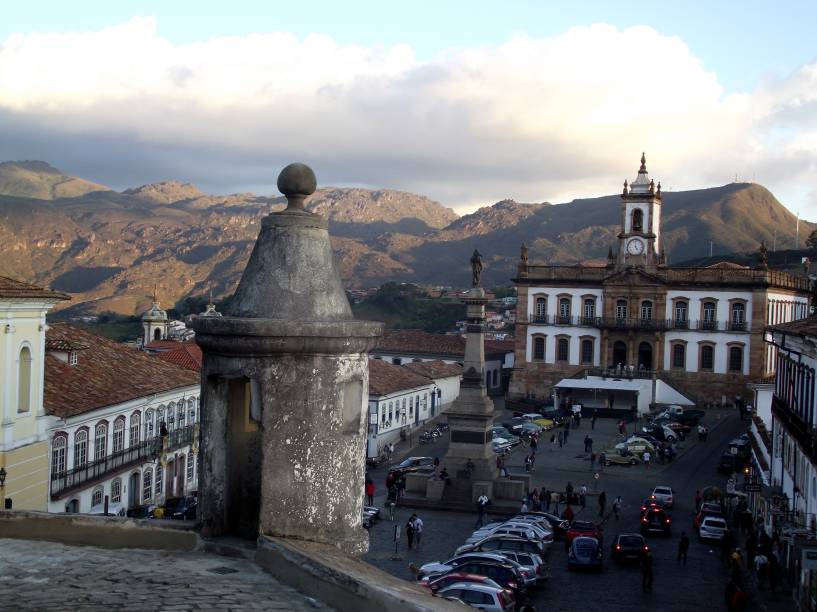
(286,440)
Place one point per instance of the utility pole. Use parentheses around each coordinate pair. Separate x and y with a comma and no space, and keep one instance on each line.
(797,232)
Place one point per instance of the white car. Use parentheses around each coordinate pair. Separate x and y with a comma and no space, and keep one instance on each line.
(439,567)
(501,446)
(531,562)
(481,596)
(712,528)
(664,495)
(516,532)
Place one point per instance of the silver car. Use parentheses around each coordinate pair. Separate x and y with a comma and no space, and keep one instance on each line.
(712,528)
(481,597)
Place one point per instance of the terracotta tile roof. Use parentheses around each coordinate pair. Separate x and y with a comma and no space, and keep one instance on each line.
(187,355)
(385,378)
(10,288)
(106,373)
(419,342)
(162,345)
(63,344)
(434,369)
(499,346)
(801,327)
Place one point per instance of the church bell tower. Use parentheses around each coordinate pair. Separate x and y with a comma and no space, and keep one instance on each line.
(639,238)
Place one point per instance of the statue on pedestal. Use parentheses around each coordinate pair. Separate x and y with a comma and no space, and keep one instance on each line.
(476,267)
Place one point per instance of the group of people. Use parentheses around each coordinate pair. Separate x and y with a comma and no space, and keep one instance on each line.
(414,532)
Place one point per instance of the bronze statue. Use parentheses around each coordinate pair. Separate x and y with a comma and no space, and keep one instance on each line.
(476,267)
(764,255)
(523,253)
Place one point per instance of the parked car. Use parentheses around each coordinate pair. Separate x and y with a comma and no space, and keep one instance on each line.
(501,432)
(559,525)
(481,596)
(440,567)
(528,429)
(662,433)
(506,573)
(649,504)
(712,528)
(140,512)
(517,532)
(628,547)
(585,552)
(530,529)
(530,561)
(688,416)
(453,577)
(424,465)
(582,529)
(656,519)
(496,543)
(500,446)
(636,445)
(620,457)
(707,509)
(180,508)
(663,494)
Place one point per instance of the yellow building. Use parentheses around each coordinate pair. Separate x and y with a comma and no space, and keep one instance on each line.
(23,423)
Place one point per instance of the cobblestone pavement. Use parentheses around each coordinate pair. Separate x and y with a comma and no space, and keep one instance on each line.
(676,588)
(45,576)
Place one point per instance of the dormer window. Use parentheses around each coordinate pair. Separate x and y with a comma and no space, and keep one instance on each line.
(72,358)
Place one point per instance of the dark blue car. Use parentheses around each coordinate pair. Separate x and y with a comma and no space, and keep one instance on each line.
(585,553)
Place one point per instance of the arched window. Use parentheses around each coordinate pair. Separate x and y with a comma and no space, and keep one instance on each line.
(679,355)
(119,434)
(149,425)
(681,313)
(562,349)
(96,497)
(147,485)
(738,321)
(100,441)
(539,348)
(160,419)
(587,351)
(157,334)
(24,381)
(638,220)
(159,477)
(80,448)
(191,411)
(589,308)
(135,422)
(171,416)
(707,357)
(182,414)
(541,308)
(646,310)
(621,309)
(709,315)
(58,448)
(564,310)
(116,491)
(736,359)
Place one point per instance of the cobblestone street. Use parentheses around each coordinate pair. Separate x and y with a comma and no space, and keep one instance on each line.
(676,588)
(45,576)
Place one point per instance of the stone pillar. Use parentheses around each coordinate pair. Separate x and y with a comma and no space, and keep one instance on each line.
(470,416)
(285,379)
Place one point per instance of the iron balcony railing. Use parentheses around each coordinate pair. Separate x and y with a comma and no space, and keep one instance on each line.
(179,437)
(639,324)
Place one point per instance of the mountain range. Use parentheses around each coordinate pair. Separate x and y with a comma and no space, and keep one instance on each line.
(113,249)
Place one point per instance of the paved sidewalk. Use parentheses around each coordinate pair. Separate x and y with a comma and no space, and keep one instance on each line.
(46,576)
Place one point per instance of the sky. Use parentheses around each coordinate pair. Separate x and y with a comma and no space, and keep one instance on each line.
(465,102)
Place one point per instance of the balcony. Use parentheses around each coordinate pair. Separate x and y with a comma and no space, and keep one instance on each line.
(73,479)
(637,324)
(796,427)
(536,319)
(179,437)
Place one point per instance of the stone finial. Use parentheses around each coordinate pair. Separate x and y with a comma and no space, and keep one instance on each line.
(296,182)
(643,168)
(626,188)
(652,186)
(523,253)
(658,190)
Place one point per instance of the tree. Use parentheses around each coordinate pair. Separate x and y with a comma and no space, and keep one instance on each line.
(811,241)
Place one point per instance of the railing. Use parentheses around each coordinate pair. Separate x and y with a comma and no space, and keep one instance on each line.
(562,320)
(626,323)
(71,479)
(639,324)
(799,429)
(179,437)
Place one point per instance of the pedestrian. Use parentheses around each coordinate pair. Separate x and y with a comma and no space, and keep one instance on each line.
(532,458)
(528,463)
(736,564)
(436,462)
(761,569)
(602,461)
(646,572)
(751,547)
(602,503)
(734,597)
(698,501)
(567,430)
(482,504)
(410,532)
(774,571)
(617,503)
(401,487)
(569,492)
(587,443)
(560,438)
(590,443)
(646,458)
(554,502)
(534,444)
(370,489)
(546,499)
(524,508)
(593,420)
(683,547)
(568,514)
(418,531)
(592,461)
(583,495)
(534,501)
(553,442)
(503,471)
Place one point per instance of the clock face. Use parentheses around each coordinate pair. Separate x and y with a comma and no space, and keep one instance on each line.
(635,247)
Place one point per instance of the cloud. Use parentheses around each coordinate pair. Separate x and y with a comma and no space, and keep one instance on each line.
(531,119)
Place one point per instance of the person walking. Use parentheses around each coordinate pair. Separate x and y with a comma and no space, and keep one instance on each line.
(593,420)
(602,503)
(528,463)
(727,545)
(602,461)
(524,508)
(370,489)
(418,531)
(546,499)
(590,443)
(617,503)
(583,495)
(592,461)
(646,572)
(683,547)
(587,443)
(553,442)
(534,443)
(559,437)
(482,503)
(567,430)
(646,458)
(410,532)
(761,569)
(532,459)
(554,502)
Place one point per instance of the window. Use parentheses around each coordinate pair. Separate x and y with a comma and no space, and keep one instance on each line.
(395,361)
(638,220)
(147,485)
(541,308)
(587,351)
(411,406)
(562,349)
(646,310)
(159,477)
(80,448)
(135,421)
(171,416)
(679,354)
(149,431)
(589,308)
(96,497)
(181,414)
(190,467)
(681,308)
(539,348)
(72,358)
(119,435)
(100,441)
(191,411)
(58,455)
(736,359)
(709,315)
(116,491)
(391,411)
(738,316)
(707,357)
(564,310)
(621,309)
(24,381)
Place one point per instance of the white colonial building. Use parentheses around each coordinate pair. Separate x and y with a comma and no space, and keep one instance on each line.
(124,424)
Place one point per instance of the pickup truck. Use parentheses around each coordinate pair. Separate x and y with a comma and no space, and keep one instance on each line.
(688,416)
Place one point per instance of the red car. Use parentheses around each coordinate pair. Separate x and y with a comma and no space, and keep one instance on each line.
(582,528)
(706,510)
(440,582)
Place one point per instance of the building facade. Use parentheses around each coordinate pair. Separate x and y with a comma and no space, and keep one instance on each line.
(700,329)
(23,423)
